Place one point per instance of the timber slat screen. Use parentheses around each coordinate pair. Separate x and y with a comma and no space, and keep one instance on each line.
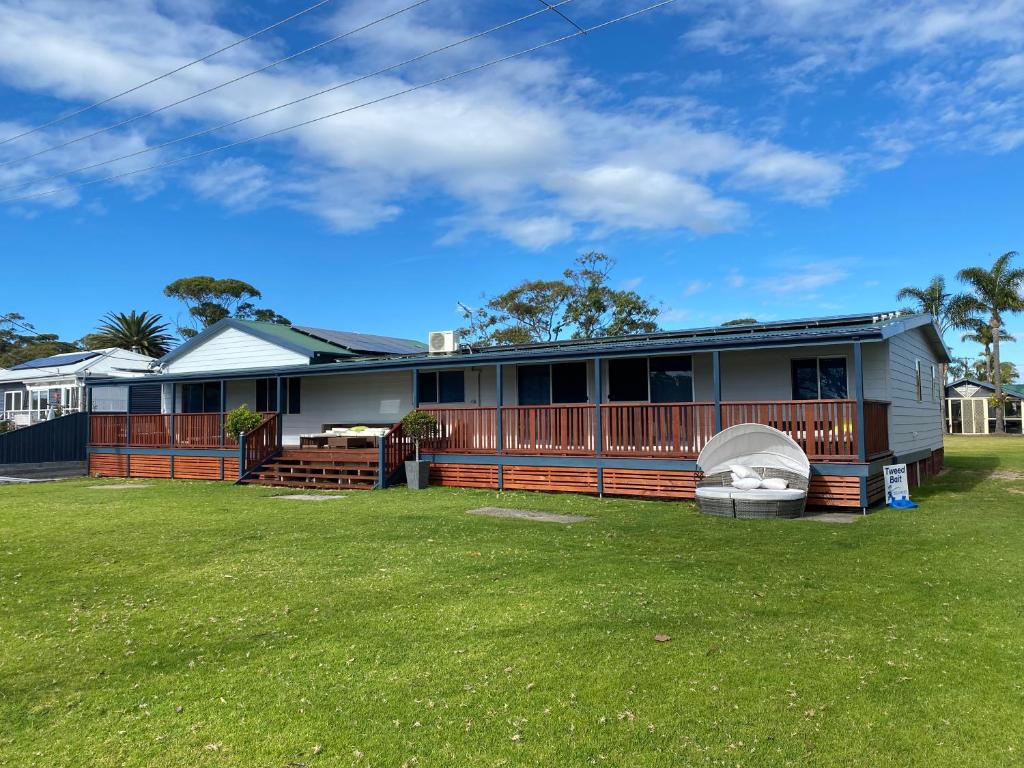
(669,430)
(261,443)
(60,439)
(541,430)
(190,430)
(825,429)
(876,428)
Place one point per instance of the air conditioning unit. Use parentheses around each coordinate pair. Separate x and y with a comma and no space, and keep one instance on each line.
(443,342)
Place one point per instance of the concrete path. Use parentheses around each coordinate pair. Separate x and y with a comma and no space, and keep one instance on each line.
(308,497)
(835,517)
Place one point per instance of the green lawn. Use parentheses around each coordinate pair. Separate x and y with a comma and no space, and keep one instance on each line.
(192,624)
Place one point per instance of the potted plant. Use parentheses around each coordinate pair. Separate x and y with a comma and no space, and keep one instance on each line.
(417,426)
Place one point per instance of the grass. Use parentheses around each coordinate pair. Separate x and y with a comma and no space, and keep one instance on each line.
(190,624)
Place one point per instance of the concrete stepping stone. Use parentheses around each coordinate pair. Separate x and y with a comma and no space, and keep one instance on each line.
(308,497)
(119,486)
(526,514)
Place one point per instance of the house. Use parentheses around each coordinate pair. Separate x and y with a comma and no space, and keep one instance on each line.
(40,389)
(617,416)
(969,411)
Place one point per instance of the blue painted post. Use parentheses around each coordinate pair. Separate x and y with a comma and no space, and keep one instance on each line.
(858,385)
(716,383)
(280,410)
(241,456)
(222,416)
(598,422)
(415,388)
(170,424)
(499,433)
(382,481)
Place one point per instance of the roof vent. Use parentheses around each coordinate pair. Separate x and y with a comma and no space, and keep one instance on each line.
(443,342)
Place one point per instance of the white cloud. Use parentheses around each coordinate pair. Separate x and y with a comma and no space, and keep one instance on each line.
(805,279)
(695,287)
(525,151)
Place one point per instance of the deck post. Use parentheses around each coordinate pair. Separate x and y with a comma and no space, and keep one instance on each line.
(241,455)
(598,422)
(222,413)
(280,411)
(716,384)
(170,426)
(88,417)
(382,481)
(858,385)
(128,417)
(415,388)
(499,434)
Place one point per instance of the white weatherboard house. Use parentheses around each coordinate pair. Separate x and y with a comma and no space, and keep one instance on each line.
(617,416)
(40,389)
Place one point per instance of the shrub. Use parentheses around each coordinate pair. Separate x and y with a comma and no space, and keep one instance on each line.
(419,425)
(241,420)
(6,426)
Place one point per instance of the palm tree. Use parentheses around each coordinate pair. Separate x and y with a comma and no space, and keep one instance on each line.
(994,292)
(947,310)
(982,334)
(138,332)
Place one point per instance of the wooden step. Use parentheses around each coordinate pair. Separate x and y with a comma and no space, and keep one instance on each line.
(311,486)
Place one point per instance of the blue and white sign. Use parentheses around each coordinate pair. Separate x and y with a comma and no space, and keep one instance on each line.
(896,485)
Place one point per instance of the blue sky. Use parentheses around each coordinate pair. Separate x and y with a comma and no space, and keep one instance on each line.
(773,158)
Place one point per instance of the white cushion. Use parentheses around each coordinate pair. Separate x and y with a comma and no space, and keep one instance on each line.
(775,483)
(767,494)
(741,471)
(724,492)
(746,483)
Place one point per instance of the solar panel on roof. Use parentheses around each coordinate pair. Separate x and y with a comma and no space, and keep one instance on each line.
(364,342)
(54,361)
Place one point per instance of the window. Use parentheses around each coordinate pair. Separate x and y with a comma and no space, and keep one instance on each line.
(200,397)
(569,383)
(266,395)
(442,387)
(821,378)
(562,383)
(917,380)
(14,401)
(671,379)
(628,380)
(935,386)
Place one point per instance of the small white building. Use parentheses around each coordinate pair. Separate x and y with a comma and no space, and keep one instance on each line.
(41,389)
(969,410)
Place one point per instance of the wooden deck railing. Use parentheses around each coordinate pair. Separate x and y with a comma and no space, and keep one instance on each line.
(825,429)
(145,430)
(108,429)
(543,430)
(670,430)
(876,428)
(463,430)
(397,450)
(261,443)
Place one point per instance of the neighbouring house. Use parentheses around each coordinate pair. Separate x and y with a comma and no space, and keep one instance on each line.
(40,389)
(969,410)
(617,416)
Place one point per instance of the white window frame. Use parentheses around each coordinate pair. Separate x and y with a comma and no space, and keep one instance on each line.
(919,381)
(935,384)
(14,396)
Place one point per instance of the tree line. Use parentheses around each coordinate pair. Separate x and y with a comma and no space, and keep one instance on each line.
(988,296)
(205,299)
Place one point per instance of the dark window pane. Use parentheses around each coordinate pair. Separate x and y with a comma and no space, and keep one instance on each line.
(569,383)
(833,378)
(671,380)
(428,387)
(451,387)
(627,379)
(266,395)
(294,395)
(805,379)
(534,384)
(211,397)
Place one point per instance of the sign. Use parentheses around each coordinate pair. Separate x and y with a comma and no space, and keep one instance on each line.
(896,486)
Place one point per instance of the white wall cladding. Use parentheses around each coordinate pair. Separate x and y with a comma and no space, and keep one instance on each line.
(232,350)
(913,425)
(374,398)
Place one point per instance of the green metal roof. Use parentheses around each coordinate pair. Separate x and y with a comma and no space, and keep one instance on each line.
(287,334)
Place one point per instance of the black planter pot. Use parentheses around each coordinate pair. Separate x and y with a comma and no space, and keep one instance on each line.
(417,474)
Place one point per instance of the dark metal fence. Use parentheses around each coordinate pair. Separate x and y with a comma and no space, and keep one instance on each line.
(60,439)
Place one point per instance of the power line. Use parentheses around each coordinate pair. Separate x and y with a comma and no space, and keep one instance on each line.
(263,113)
(175,71)
(553,8)
(238,79)
(396,94)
